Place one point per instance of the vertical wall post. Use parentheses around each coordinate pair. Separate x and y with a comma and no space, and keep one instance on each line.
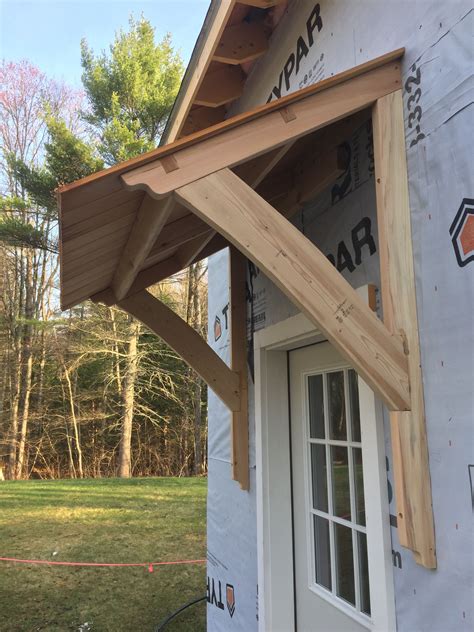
(238,340)
(409,441)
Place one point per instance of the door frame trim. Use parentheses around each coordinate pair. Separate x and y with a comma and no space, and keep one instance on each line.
(273,463)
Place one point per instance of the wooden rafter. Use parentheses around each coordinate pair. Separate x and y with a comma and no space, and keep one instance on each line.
(151,218)
(257,169)
(312,174)
(214,34)
(408,429)
(187,253)
(187,343)
(160,271)
(241,43)
(202,117)
(305,275)
(220,87)
(174,235)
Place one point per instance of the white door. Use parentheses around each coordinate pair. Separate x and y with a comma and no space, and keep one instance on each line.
(342,556)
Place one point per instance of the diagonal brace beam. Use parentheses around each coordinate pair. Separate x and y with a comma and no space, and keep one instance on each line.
(187,343)
(151,217)
(305,275)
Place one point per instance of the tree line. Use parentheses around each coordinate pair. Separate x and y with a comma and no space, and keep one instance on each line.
(88,392)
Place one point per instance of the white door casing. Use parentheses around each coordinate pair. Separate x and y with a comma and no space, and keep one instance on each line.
(274,498)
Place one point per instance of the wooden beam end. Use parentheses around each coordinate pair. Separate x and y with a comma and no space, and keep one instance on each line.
(107,297)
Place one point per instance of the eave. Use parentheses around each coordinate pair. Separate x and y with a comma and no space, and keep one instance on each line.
(233,37)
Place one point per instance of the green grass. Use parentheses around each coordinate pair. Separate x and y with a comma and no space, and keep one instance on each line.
(107,520)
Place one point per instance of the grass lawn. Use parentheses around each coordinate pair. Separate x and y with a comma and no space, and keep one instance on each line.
(107,520)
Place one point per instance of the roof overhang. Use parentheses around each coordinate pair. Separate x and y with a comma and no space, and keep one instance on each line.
(236,184)
(100,214)
(233,37)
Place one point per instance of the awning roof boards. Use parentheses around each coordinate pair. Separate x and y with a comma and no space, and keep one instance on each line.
(130,226)
(97,213)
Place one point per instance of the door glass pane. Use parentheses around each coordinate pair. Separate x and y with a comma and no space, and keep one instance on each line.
(359,486)
(319,476)
(337,405)
(354,400)
(333,419)
(340,482)
(344,563)
(322,552)
(364,573)
(316,407)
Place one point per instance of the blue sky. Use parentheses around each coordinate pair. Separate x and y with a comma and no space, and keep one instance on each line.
(48,32)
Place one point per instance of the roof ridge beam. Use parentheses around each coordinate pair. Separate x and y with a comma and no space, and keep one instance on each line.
(268,129)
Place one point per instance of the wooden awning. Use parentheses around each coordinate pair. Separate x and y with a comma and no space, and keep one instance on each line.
(236,184)
(97,213)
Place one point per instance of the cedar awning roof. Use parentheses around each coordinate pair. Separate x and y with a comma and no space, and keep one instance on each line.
(279,148)
(237,183)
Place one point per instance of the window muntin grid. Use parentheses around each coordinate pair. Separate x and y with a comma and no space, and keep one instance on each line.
(339,563)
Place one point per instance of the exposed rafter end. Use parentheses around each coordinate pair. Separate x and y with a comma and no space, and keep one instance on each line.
(221,87)
(241,43)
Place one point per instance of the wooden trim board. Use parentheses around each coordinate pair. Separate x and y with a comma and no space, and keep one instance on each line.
(409,440)
(238,346)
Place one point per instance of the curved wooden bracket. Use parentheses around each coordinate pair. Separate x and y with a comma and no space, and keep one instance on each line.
(188,344)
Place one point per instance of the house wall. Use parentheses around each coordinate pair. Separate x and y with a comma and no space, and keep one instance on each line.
(329,37)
